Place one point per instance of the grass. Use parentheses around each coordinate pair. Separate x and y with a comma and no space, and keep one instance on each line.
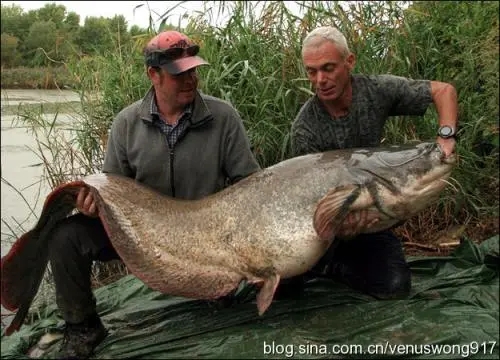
(255,64)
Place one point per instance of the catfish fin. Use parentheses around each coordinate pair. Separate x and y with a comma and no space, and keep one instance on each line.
(266,293)
(332,209)
(24,265)
(19,318)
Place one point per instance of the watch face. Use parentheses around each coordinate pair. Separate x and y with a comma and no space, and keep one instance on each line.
(446,131)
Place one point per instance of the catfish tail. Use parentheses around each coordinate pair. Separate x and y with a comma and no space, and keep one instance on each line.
(24,265)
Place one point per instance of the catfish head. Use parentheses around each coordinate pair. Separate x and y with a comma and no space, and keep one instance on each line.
(392,184)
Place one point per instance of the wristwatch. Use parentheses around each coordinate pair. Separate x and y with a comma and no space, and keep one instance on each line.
(446,132)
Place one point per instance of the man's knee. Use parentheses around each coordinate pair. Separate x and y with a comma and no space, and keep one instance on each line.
(396,285)
(374,264)
(76,233)
(63,234)
(395,272)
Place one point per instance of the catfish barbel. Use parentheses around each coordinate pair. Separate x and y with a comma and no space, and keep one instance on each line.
(274,224)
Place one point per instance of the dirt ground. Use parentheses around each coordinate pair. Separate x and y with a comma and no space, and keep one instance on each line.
(437,240)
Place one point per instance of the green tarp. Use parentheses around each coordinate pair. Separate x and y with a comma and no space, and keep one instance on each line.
(453,312)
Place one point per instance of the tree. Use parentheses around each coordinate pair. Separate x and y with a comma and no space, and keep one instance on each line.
(16,22)
(42,35)
(9,51)
(94,37)
(72,22)
(54,13)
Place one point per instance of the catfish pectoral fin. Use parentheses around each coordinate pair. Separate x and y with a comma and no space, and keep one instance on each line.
(15,273)
(23,310)
(332,210)
(24,265)
(266,293)
(22,273)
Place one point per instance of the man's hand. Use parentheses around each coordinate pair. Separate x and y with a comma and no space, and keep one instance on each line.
(356,223)
(85,203)
(447,145)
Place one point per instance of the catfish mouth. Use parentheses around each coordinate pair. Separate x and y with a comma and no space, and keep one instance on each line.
(437,177)
(418,185)
(397,201)
(391,186)
(415,195)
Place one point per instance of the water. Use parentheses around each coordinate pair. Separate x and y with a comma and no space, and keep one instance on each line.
(16,97)
(21,166)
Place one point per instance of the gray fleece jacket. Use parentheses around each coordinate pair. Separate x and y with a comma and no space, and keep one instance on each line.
(213,152)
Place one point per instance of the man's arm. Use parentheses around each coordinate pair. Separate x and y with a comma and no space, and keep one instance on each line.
(115,159)
(445,100)
(239,160)
(412,97)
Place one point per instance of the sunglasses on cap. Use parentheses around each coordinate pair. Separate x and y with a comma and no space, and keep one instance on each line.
(158,58)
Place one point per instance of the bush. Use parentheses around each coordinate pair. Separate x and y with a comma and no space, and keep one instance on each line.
(37,78)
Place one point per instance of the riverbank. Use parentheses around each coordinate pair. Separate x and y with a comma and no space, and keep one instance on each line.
(46,78)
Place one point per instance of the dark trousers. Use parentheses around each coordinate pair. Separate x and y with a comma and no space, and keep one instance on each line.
(75,243)
(374,264)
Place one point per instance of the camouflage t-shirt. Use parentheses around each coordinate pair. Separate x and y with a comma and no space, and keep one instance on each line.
(374,99)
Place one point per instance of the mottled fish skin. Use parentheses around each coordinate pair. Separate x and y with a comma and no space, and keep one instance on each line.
(274,224)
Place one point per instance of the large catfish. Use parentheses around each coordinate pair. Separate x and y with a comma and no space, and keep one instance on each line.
(272,225)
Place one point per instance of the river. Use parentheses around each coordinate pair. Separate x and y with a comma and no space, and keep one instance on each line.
(20,165)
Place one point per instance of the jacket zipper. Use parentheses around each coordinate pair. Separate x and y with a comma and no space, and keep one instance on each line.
(172,171)
(172,186)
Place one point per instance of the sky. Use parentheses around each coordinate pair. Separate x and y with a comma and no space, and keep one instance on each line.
(125,8)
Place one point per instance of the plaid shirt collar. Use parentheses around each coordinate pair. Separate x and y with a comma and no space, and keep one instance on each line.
(188,110)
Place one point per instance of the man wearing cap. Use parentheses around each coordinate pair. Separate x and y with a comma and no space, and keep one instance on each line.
(175,140)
